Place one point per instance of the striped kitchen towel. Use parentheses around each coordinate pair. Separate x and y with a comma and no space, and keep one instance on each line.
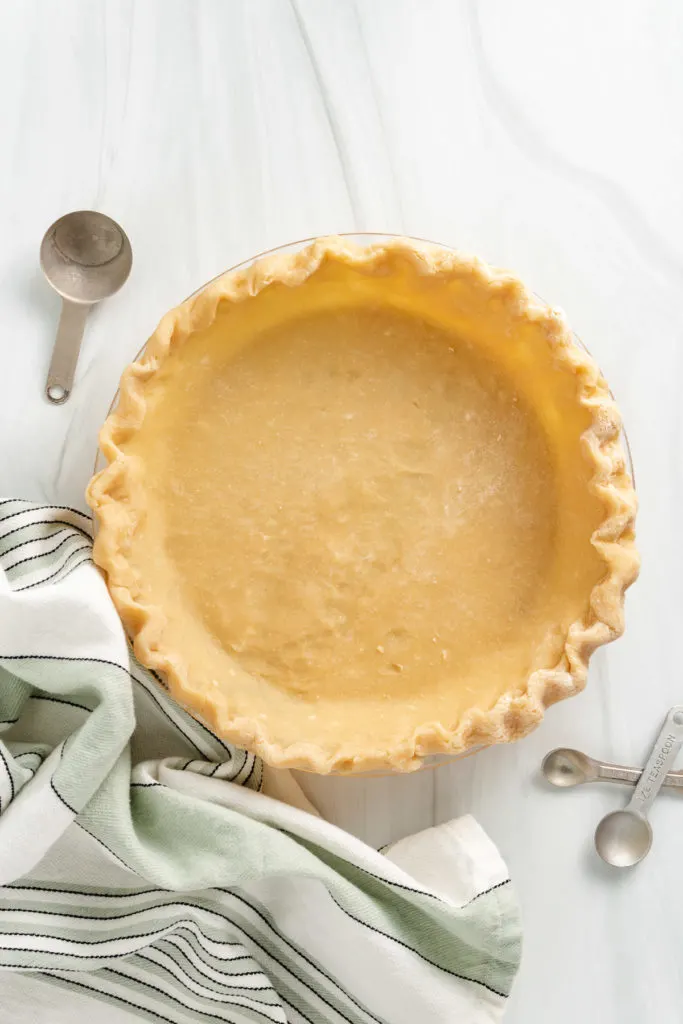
(147,874)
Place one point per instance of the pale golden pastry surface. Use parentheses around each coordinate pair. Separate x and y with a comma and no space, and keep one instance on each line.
(365,504)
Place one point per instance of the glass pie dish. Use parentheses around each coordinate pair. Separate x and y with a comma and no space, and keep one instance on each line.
(476,490)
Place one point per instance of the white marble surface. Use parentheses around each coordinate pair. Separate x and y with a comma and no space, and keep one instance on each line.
(545,137)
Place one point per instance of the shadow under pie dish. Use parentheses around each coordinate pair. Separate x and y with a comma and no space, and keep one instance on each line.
(365,504)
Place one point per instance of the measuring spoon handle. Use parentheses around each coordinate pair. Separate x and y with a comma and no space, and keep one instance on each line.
(607,772)
(664,752)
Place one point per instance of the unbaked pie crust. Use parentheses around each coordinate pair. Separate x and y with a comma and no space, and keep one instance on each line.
(366,504)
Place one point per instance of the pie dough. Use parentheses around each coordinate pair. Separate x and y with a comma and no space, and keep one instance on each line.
(365,504)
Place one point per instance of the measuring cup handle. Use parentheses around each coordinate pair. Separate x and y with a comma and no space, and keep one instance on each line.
(60,376)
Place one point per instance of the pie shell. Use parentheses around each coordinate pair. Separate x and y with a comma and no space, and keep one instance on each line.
(113,501)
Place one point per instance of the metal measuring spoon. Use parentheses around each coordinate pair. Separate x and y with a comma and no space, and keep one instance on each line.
(623,838)
(565,767)
(86,257)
